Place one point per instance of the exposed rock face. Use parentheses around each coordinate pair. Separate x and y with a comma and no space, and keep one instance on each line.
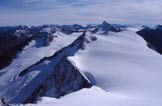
(104,28)
(65,79)
(9,47)
(52,76)
(66,29)
(14,39)
(153,36)
(69,29)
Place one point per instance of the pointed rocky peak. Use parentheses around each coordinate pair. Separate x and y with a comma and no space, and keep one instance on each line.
(104,28)
(105,25)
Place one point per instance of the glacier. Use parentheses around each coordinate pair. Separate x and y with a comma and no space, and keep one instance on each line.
(94,65)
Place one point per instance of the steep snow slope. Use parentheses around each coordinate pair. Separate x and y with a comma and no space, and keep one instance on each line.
(51,76)
(39,63)
(126,71)
(30,56)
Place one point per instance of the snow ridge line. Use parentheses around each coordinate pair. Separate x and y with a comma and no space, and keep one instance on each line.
(81,37)
(69,50)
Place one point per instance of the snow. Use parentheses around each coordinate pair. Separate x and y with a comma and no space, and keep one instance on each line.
(135,29)
(121,62)
(19,33)
(31,55)
(48,30)
(125,70)
(23,86)
(95,97)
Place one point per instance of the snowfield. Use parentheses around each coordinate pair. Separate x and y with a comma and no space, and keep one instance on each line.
(117,61)
(125,71)
(30,55)
(96,97)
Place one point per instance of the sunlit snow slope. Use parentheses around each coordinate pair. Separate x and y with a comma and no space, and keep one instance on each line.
(11,85)
(126,72)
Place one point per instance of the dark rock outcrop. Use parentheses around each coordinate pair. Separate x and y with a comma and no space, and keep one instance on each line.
(53,76)
(153,36)
(104,28)
(65,79)
(11,43)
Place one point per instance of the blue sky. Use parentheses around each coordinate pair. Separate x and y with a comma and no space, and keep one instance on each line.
(37,12)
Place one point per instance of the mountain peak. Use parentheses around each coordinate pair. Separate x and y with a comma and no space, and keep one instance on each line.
(105,23)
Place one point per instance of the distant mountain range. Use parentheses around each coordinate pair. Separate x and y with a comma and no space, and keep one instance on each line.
(55,60)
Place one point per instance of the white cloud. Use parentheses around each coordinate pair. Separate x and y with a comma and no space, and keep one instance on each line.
(86,11)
